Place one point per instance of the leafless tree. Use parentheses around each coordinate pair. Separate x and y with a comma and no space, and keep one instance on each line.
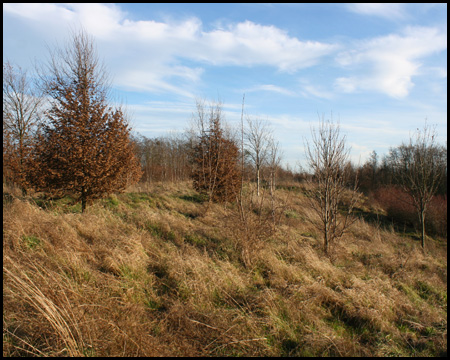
(258,138)
(22,114)
(327,157)
(419,167)
(274,161)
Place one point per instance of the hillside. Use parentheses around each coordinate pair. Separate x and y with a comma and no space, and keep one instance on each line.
(155,273)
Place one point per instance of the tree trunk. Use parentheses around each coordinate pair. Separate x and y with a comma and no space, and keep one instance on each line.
(83,200)
(257,181)
(422,222)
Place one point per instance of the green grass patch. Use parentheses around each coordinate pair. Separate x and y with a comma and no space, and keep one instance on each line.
(154,304)
(63,205)
(138,199)
(128,273)
(429,293)
(112,202)
(410,293)
(291,214)
(196,198)
(195,239)
(157,230)
(31,242)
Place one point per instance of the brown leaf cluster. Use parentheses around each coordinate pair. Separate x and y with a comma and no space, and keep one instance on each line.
(216,170)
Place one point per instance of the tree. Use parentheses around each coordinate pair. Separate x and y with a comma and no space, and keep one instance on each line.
(164,158)
(327,157)
(259,139)
(368,174)
(85,148)
(274,160)
(22,113)
(418,169)
(215,157)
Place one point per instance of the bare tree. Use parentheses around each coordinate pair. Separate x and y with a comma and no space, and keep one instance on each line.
(418,168)
(327,157)
(274,161)
(258,136)
(85,148)
(22,114)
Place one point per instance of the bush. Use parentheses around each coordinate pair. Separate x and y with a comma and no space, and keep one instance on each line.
(436,221)
(398,205)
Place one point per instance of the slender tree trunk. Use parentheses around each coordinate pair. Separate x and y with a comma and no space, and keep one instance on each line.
(422,222)
(22,165)
(257,180)
(83,200)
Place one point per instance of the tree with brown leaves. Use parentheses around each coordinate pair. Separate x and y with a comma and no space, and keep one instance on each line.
(216,158)
(22,110)
(85,147)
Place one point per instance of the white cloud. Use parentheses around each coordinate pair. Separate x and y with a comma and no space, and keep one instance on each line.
(309,90)
(36,11)
(269,87)
(387,64)
(386,10)
(150,81)
(98,19)
(346,85)
(248,43)
(240,44)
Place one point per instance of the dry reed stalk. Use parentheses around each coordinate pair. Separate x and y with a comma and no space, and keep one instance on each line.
(61,318)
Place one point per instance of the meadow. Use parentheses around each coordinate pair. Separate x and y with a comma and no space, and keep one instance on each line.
(158,271)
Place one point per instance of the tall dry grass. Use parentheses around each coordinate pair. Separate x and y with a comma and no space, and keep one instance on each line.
(153,274)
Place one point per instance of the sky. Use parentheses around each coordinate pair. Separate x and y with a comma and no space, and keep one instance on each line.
(380,70)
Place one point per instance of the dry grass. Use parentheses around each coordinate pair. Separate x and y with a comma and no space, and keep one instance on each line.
(158,274)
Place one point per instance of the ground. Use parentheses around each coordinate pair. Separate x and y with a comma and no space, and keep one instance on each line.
(158,271)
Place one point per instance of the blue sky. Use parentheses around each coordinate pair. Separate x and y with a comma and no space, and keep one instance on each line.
(380,69)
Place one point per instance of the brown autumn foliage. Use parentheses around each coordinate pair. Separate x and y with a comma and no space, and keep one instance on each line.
(216,171)
(85,146)
(22,106)
(399,207)
(397,204)
(437,216)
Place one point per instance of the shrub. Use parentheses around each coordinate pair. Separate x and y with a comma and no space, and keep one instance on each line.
(436,220)
(398,205)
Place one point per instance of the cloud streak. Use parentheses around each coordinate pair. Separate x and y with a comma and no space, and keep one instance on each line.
(387,64)
(386,10)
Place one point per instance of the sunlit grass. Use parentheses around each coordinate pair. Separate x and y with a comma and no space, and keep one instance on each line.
(162,273)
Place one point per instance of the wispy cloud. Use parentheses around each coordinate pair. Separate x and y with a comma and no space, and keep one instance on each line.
(387,64)
(309,90)
(36,11)
(269,87)
(385,10)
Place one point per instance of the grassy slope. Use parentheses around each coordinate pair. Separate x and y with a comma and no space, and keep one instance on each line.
(152,274)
